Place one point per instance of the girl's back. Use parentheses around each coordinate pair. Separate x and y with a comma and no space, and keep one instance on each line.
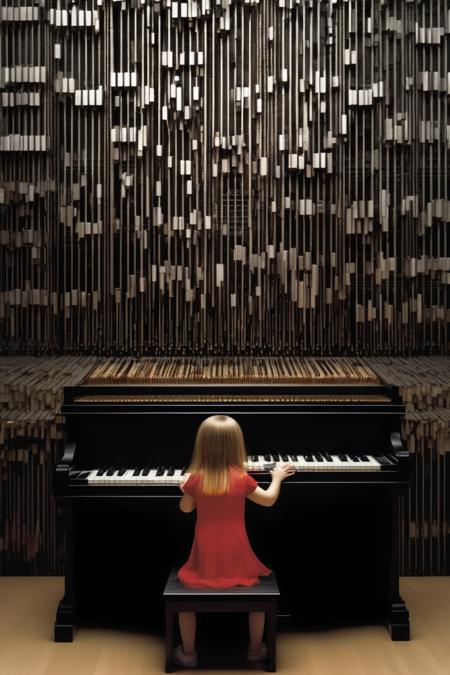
(221,555)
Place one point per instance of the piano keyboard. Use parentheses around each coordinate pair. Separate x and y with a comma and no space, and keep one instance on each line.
(316,461)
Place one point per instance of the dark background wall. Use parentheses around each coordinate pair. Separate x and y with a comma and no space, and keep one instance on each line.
(225,177)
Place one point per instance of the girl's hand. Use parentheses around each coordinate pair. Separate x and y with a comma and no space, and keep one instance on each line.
(181,485)
(282,471)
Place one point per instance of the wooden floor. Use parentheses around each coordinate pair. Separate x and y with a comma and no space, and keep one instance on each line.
(27,611)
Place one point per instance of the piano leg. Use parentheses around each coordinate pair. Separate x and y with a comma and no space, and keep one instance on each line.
(65,616)
(398,614)
(399,621)
(65,621)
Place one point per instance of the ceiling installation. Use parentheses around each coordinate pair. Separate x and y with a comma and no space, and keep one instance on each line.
(225,177)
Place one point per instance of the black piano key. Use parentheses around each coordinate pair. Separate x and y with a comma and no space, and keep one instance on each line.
(309,458)
(170,471)
(137,471)
(383,460)
(318,457)
(111,471)
(121,472)
(354,457)
(327,456)
(145,471)
(285,458)
(276,457)
(254,458)
(82,475)
(183,470)
(343,457)
(364,458)
(267,458)
(293,458)
(102,471)
(160,470)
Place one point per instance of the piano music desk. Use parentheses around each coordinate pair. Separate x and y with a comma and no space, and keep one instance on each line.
(259,598)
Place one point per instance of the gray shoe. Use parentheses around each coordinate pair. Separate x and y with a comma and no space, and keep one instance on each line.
(257,655)
(182,659)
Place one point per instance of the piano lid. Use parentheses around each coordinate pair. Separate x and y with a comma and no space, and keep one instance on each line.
(230,384)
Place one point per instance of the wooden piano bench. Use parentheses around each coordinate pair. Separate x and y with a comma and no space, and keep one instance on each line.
(259,598)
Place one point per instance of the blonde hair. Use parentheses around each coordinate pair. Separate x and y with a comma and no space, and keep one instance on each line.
(219,445)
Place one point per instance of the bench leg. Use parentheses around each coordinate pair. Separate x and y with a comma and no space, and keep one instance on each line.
(271,615)
(169,637)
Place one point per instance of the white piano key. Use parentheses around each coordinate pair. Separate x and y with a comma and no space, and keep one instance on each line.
(178,476)
(371,464)
(92,478)
(338,464)
(130,479)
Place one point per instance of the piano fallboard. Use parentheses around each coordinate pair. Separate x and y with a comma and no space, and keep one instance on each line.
(86,492)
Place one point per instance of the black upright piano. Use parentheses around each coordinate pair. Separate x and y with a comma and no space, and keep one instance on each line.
(332,538)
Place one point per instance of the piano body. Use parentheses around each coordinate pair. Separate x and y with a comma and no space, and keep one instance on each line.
(331,538)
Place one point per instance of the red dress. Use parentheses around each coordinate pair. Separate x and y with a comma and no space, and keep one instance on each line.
(221,555)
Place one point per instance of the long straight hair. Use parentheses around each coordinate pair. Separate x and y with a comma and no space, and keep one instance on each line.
(219,445)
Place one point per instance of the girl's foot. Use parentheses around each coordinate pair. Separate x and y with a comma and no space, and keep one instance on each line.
(182,659)
(257,654)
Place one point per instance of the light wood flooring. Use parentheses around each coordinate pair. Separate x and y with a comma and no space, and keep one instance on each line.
(27,612)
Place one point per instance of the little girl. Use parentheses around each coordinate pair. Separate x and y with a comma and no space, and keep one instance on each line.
(221,555)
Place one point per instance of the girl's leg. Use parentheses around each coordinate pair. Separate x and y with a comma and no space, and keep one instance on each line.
(188,623)
(256,629)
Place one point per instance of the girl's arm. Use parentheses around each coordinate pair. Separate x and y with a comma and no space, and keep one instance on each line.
(187,502)
(266,497)
(269,497)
